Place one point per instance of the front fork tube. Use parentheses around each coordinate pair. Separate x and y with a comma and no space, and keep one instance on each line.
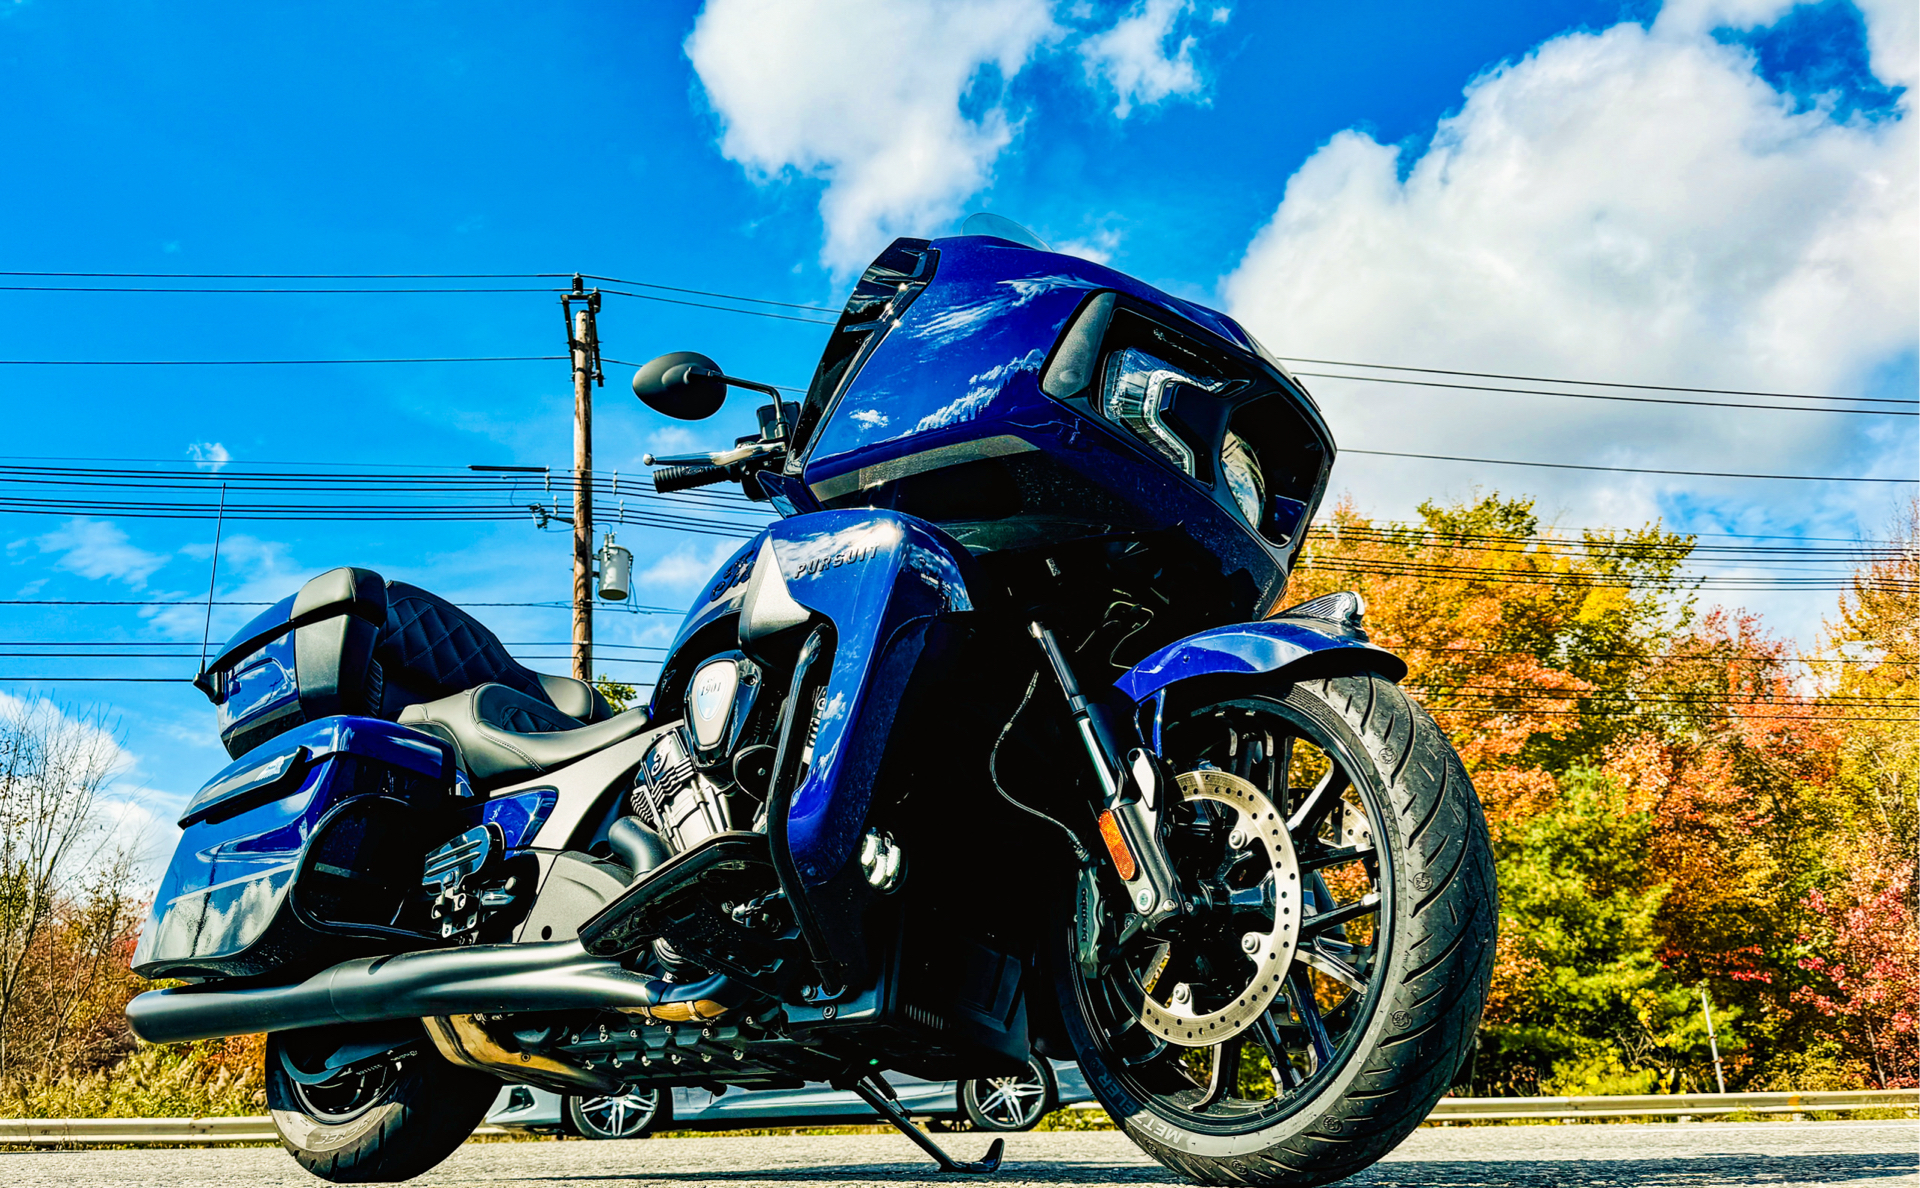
(1136,785)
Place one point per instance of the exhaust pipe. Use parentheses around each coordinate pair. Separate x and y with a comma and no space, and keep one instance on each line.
(484,979)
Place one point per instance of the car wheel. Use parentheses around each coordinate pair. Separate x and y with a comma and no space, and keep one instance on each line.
(1016,1102)
(626,1116)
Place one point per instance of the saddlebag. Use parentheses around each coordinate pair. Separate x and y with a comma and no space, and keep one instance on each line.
(304,852)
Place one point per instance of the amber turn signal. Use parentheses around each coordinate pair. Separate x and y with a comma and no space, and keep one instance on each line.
(1117,846)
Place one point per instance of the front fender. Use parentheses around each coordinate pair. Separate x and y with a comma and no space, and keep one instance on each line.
(1295,644)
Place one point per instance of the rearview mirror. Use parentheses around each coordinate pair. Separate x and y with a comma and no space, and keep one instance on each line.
(684,385)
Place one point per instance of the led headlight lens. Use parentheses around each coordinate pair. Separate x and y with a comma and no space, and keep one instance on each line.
(1241,468)
(1135,390)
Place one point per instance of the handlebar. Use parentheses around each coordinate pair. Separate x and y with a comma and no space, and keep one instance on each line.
(681,478)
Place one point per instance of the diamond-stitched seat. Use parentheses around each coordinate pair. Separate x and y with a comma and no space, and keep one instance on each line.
(445,673)
(430,649)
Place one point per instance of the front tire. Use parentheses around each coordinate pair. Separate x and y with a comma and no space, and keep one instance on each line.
(386,1117)
(1395,941)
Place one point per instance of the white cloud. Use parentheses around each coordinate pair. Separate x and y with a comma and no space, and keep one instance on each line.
(1634,205)
(98,549)
(1133,59)
(901,108)
(1893,39)
(208,455)
(685,567)
(675,439)
(1098,247)
(252,570)
(898,107)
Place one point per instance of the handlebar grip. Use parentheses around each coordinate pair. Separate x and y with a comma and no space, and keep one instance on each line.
(680,478)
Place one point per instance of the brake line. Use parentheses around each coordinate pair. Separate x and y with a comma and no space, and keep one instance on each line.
(993,773)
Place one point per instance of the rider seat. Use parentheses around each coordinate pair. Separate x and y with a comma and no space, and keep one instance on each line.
(449,676)
(503,736)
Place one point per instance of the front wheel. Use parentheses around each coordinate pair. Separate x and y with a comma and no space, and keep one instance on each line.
(352,1110)
(1314,1000)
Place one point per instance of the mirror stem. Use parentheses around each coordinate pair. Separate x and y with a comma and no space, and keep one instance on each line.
(779,409)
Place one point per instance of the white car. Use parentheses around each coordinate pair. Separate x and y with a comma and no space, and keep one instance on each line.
(989,1103)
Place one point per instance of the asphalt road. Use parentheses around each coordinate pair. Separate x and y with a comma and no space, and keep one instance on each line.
(1695,1155)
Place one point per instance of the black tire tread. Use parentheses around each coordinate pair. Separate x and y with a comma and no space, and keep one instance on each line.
(439,1105)
(1447,939)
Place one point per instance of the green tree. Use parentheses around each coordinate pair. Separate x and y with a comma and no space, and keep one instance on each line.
(1582,1004)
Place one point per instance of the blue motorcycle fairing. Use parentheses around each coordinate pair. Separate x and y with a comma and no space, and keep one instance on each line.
(1269,646)
(878,578)
(956,383)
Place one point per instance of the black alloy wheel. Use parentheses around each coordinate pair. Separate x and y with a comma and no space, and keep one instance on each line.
(1009,1103)
(618,1116)
(1315,998)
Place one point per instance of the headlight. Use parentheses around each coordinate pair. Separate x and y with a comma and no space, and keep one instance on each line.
(1241,468)
(1135,393)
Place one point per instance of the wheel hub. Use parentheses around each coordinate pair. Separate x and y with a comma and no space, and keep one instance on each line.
(1258,825)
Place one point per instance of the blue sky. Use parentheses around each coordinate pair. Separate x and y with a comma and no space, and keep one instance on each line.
(1706,193)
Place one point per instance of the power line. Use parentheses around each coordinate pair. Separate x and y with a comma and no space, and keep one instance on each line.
(832,311)
(1379,379)
(616,280)
(271,362)
(259,291)
(758,313)
(362,276)
(547,605)
(1541,379)
(1800,478)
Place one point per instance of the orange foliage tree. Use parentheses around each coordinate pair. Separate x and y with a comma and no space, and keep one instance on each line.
(1678,803)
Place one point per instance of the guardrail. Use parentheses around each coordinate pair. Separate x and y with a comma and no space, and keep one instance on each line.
(1487,1109)
(138,1131)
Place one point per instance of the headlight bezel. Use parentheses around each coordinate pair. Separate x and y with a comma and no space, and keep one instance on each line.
(1209,399)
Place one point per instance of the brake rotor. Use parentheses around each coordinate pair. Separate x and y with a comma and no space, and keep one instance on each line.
(1260,825)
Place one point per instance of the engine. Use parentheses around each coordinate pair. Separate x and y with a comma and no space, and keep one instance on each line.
(710,774)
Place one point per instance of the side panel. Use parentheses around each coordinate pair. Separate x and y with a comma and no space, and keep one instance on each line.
(222,906)
(879,578)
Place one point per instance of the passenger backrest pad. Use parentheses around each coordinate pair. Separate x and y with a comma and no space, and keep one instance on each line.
(431,649)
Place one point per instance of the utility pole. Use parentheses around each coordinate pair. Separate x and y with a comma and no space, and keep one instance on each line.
(1712,1042)
(583,343)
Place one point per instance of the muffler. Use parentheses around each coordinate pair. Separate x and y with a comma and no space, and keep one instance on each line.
(482,979)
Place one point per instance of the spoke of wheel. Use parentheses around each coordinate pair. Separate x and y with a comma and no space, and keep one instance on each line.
(1329,857)
(1300,990)
(1324,796)
(1268,1034)
(1225,1075)
(1333,967)
(1320,922)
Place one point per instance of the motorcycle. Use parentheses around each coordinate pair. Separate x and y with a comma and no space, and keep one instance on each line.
(995,742)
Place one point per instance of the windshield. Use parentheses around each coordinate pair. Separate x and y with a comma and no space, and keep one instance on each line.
(881,295)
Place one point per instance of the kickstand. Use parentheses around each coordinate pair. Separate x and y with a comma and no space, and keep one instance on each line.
(878,1094)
